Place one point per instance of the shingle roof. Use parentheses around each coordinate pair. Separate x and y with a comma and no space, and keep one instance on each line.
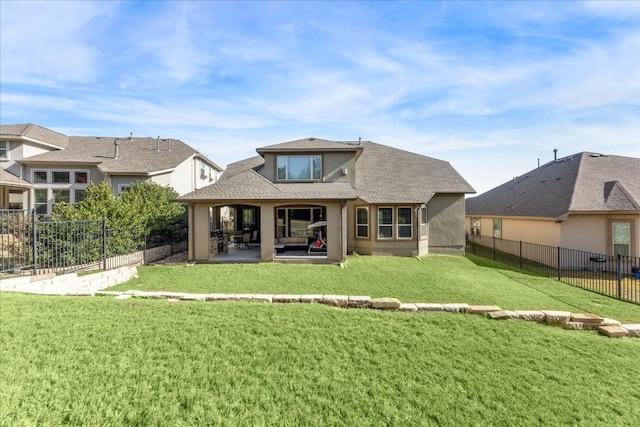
(581,182)
(136,155)
(390,175)
(35,132)
(383,175)
(10,180)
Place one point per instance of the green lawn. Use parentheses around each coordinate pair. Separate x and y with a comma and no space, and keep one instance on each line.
(101,361)
(448,279)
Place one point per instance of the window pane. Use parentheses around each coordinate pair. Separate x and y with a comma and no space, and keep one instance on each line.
(621,232)
(81,177)
(497,228)
(299,167)
(363,231)
(60,177)
(3,150)
(41,196)
(282,167)
(40,177)
(61,196)
(423,222)
(317,167)
(41,209)
(404,215)
(80,195)
(621,249)
(385,216)
(385,232)
(362,215)
(404,231)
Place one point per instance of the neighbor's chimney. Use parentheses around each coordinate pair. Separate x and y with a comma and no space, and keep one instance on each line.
(555,154)
(117,149)
(158,143)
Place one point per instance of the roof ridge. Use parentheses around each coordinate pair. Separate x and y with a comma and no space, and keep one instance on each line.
(575,181)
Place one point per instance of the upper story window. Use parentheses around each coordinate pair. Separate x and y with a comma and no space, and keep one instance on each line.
(299,168)
(4,150)
(202,170)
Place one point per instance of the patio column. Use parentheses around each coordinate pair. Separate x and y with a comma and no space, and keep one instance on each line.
(199,232)
(267,231)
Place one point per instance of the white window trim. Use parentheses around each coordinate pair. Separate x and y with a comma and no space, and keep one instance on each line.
(613,237)
(494,227)
(122,187)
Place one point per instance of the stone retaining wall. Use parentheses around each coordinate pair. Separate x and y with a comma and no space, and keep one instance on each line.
(565,319)
(68,284)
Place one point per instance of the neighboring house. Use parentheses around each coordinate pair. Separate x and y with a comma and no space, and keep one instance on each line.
(362,196)
(53,167)
(587,201)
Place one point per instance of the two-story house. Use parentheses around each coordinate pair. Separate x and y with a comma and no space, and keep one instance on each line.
(354,196)
(41,167)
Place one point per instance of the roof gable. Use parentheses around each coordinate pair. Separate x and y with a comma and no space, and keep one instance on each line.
(311,145)
(36,133)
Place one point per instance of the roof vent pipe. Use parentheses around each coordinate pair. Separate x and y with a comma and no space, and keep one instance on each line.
(130,136)
(116,144)
(168,144)
(158,143)
(555,154)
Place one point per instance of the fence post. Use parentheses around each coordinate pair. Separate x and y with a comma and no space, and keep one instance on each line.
(494,248)
(34,243)
(520,256)
(619,274)
(144,251)
(558,266)
(104,244)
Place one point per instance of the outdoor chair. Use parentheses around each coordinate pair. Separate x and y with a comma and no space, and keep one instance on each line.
(318,245)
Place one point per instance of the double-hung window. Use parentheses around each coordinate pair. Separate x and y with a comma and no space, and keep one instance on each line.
(362,222)
(385,223)
(405,222)
(621,237)
(56,186)
(299,168)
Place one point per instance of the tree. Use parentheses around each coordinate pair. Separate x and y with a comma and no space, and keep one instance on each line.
(145,205)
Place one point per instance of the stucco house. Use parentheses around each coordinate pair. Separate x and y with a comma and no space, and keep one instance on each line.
(329,198)
(586,201)
(41,167)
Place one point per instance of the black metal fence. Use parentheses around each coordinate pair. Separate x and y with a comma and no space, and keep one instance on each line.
(28,243)
(617,276)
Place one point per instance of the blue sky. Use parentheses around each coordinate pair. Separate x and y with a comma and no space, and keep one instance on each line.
(490,87)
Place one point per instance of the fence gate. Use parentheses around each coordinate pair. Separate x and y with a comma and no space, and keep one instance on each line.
(16,239)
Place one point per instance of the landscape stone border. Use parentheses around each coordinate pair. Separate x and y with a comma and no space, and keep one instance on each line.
(565,319)
(92,284)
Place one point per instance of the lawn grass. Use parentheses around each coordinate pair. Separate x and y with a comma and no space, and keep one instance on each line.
(447,279)
(101,361)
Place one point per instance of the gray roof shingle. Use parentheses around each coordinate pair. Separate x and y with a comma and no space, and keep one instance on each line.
(10,180)
(136,155)
(579,183)
(383,175)
(35,132)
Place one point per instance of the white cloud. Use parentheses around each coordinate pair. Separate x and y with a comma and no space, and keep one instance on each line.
(49,43)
